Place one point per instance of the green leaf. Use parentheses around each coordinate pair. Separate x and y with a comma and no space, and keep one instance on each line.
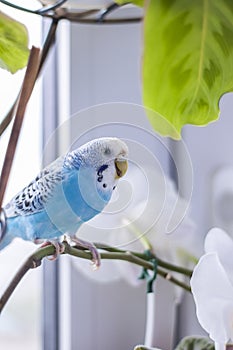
(13,44)
(195,343)
(188,61)
(135,2)
(143,347)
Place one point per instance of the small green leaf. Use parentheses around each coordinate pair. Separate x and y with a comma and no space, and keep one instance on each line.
(195,343)
(188,61)
(13,44)
(135,2)
(143,347)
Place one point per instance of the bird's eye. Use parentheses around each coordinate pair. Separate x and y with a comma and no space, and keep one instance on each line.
(107,151)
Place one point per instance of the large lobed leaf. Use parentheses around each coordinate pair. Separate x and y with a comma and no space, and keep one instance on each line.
(188,61)
(13,44)
(143,347)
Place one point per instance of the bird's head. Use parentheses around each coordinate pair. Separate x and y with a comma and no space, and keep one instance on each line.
(105,161)
(108,152)
(111,164)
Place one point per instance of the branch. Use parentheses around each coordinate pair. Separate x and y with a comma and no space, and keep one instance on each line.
(49,41)
(8,118)
(36,258)
(162,263)
(37,12)
(27,87)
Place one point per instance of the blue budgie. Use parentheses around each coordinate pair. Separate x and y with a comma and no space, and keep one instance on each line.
(70,191)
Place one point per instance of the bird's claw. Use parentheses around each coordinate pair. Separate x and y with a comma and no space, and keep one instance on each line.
(59,249)
(96,259)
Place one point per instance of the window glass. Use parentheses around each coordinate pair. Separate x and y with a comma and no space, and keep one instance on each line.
(20,319)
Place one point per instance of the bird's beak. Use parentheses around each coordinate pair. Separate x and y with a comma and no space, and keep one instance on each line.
(121,166)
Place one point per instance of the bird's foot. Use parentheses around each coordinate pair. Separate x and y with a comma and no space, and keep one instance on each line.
(96,259)
(59,249)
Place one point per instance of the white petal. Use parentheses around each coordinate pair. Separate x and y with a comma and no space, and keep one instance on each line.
(107,272)
(220,242)
(127,240)
(213,295)
(129,272)
(217,240)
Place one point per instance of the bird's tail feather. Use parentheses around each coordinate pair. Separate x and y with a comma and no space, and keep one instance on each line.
(7,239)
(8,236)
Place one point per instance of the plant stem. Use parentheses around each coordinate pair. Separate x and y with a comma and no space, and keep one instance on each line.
(8,118)
(114,254)
(27,87)
(29,264)
(49,41)
(162,263)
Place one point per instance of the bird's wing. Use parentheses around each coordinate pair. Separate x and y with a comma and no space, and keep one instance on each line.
(33,197)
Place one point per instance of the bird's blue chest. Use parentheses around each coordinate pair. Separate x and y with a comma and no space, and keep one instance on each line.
(74,200)
(81,192)
(77,196)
